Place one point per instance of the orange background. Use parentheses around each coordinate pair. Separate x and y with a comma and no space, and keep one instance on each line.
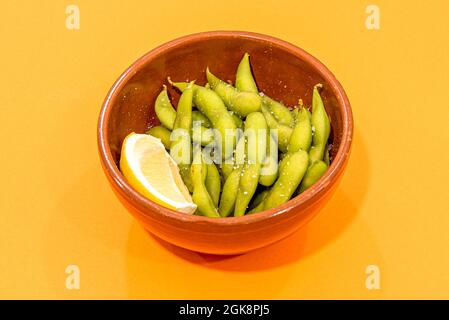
(56,207)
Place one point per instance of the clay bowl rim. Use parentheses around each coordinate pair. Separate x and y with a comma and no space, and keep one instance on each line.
(302,201)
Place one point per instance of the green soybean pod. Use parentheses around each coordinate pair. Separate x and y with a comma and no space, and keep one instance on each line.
(229,194)
(247,187)
(255,127)
(309,114)
(291,172)
(283,132)
(226,169)
(164,109)
(259,198)
(260,202)
(200,195)
(313,174)
(237,120)
(180,148)
(268,171)
(210,104)
(183,118)
(295,113)
(321,126)
(270,167)
(258,208)
(244,80)
(202,135)
(161,133)
(235,161)
(242,103)
(256,130)
(207,137)
(301,137)
(185,172)
(182,127)
(213,183)
(181,86)
(197,116)
(280,112)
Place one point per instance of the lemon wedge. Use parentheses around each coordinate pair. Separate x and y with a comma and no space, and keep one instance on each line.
(152,172)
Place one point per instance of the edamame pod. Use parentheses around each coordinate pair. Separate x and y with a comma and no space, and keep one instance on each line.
(226,169)
(270,167)
(200,195)
(213,183)
(164,109)
(183,118)
(242,103)
(258,208)
(258,199)
(247,187)
(283,132)
(185,172)
(295,113)
(281,113)
(291,172)
(197,116)
(236,161)
(301,137)
(268,171)
(313,174)
(255,128)
(181,86)
(161,133)
(321,126)
(202,135)
(229,194)
(244,80)
(210,104)
(237,120)
(180,148)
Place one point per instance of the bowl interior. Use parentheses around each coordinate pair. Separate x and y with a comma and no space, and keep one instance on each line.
(280,72)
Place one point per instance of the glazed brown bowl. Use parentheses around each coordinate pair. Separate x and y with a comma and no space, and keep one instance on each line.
(283,71)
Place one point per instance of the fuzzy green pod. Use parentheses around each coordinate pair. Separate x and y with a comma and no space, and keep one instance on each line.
(244,80)
(313,174)
(161,133)
(242,103)
(291,172)
(283,132)
(202,135)
(164,109)
(281,113)
(229,194)
(213,183)
(210,104)
(301,137)
(200,195)
(198,116)
(255,128)
(237,120)
(321,127)
(180,148)
(258,199)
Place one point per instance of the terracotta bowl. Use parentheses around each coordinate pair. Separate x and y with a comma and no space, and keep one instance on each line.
(283,71)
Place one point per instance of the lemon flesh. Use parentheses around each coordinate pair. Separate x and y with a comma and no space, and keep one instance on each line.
(150,170)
